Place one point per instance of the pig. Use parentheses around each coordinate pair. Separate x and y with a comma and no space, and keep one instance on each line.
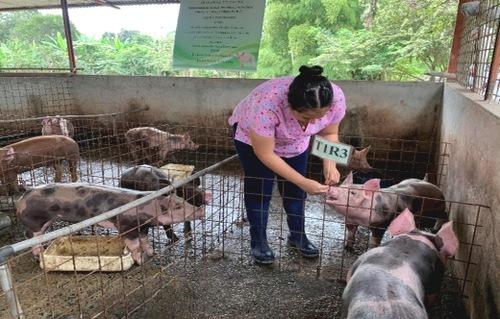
(150,178)
(375,207)
(40,206)
(402,276)
(144,142)
(57,125)
(359,161)
(34,152)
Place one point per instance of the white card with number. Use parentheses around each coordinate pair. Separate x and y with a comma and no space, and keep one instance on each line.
(338,152)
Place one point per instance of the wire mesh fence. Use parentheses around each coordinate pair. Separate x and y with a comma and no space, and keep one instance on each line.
(477,65)
(217,244)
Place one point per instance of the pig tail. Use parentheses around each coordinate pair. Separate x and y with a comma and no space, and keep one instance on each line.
(310,89)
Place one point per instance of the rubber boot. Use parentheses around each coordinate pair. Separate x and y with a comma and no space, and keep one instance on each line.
(298,239)
(261,252)
(294,203)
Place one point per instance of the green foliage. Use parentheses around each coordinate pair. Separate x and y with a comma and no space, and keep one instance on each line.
(352,39)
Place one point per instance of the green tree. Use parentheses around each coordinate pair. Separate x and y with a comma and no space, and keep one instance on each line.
(31,26)
(291,28)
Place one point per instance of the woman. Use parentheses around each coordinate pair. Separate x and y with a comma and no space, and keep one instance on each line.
(272,130)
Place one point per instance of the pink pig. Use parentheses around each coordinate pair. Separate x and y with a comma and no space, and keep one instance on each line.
(371,206)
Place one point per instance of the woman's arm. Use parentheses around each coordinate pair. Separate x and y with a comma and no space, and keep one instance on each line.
(332,175)
(264,150)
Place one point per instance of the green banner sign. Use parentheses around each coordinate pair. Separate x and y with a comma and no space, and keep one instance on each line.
(219,34)
(338,152)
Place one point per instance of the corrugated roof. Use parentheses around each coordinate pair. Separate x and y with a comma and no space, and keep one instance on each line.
(7,5)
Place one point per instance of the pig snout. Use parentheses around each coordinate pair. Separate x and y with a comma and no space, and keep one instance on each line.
(332,195)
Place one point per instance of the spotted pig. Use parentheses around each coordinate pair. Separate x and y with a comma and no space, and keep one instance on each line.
(400,277)
(39,207)
(145,142)
(150,178)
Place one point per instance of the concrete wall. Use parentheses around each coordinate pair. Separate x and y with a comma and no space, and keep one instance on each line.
(375,109)
(387,109)
(22,97)
(473,129)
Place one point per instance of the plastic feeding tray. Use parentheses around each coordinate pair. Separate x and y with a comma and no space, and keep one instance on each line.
(177,171)
(86,253)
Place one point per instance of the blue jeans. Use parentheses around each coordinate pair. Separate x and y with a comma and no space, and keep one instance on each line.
(258,187)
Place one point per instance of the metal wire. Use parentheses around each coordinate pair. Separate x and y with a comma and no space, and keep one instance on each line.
(477,46)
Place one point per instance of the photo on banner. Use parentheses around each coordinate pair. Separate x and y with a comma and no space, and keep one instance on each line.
(216,34)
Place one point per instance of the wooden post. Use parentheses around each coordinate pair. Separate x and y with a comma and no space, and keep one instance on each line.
(455,47)
(69,38)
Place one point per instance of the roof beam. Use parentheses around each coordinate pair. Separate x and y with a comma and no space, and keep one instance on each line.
(80,4)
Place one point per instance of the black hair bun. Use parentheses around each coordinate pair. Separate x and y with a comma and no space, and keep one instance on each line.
(310,71)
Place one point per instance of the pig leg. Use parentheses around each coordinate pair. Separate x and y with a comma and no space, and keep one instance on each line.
(376,236)
(72,170)
(37,249)
(187,230)
(12,187)
(170,233)
(134,246)
(58,175)
(351,236)
(146,245)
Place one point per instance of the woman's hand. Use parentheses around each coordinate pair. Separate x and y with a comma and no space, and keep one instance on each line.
(332,175)
(312,187)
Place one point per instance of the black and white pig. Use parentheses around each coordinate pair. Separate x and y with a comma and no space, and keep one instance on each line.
(40,206)
(400,277)
(150,178)
(146,142)
(372,206)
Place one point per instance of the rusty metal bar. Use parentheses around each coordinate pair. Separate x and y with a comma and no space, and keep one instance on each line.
(78,116)
(494,67)
(69,38)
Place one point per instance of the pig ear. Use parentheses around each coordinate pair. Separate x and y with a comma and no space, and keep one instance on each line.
(426,177)
(10,154)
(348,179)
(403,224)
(449,240)
(46,120)
(365,151)
(371,186)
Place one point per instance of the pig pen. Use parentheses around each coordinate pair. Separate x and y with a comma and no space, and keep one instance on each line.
(211,274)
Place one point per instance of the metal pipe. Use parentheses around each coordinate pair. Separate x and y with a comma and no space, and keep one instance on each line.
(69,38)
(7,251)
(10,294)
(78,116)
